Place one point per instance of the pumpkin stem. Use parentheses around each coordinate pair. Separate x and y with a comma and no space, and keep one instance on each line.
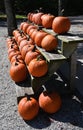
(28,96)
(16,63)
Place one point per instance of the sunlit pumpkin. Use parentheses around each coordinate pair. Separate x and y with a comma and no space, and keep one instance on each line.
(28,108)
(50,102)
(47,20)
(38,67)
(39,36)
(18,71)
(61,24)
(49,42)
(30,55)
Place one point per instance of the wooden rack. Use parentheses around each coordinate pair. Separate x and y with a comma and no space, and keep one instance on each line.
(66,52)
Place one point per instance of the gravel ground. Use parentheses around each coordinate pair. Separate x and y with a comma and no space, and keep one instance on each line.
(70,116)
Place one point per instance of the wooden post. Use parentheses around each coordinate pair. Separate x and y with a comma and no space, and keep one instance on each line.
(60,8)
(73,68)
(11,21)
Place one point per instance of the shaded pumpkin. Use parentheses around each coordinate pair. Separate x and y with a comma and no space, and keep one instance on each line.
(50,102)
(28,108)
(61,24)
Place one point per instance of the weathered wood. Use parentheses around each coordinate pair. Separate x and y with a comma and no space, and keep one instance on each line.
(73,68)
(51,56)
(66,51)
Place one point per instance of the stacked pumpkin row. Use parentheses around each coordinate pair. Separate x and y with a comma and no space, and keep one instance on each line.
(40,37)
(59,24)
(24,57)
(48,102)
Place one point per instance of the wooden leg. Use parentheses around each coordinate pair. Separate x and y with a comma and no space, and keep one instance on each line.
(72,71)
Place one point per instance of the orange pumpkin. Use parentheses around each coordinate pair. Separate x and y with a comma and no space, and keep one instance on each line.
(39,36)
(25,26)
(30,55)
(17,57)
(49,42)
(25,49)
(50,102)
(28,108)
(18,71)
(61,24)
(37,67)
(37,18)
(47,20)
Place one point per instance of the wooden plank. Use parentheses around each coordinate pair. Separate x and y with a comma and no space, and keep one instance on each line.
(37,83)
(22,88)
(68,37)
(68,49)
(51,56)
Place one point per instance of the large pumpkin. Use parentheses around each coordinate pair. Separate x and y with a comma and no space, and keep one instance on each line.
(28,108)
(49,42)
(61,24)
(50,102)
(38,67)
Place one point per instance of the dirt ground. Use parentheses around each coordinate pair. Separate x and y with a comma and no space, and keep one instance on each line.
(70,116)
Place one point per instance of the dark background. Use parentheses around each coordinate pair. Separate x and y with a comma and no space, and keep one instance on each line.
(71,7)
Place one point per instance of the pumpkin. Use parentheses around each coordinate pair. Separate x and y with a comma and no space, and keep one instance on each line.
(28,108)
(20,38)
(39,36)
(25,26)
(47,20)
(61,24)
(13,53)
(25,49)
(50,102)
(15,32)
(16,57)
(21,25)
(37,18)
(49,42)
(33,34)
(31,55)
(18,71)
(38,67)
(30,27)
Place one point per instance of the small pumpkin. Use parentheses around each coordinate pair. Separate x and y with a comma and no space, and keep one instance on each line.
(16,57)
(49,42)
(25,49)
(39,36)
(37,18)
(61,24)
(28,108)
(50,102)
(30,55)
(47,20)
(38,67)
(18,71)
(25,26)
